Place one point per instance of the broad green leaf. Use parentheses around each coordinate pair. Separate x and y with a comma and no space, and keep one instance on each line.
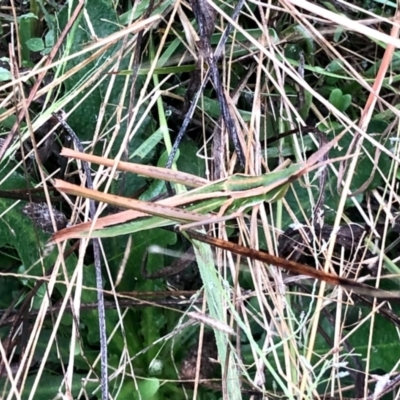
(385,344)
(142,325)
(308,40)
(298,196)
(137,12)
(49,38)
(27,16)
(26,24)
(145,389)
(339,100)
(18,230)
(365,164)
(165,70)
(346,101)
(305,109)
(8,122)
(148,145)
(35,44)
(50,384)
(338,33)
(334,67)
(148,388)
(5,75)
(189,161)
(336,98)
(103,21)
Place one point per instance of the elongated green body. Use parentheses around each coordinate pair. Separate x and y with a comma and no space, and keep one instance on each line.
(235,193)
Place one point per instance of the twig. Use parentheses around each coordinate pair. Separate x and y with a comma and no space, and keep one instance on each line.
(193,104)
(97,265)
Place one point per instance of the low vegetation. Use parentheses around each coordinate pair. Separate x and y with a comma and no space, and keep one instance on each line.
(105,290)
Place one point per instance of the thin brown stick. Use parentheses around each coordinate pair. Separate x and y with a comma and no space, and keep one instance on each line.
(294,267)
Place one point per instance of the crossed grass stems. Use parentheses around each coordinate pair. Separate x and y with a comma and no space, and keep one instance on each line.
(276,300)
(331,279)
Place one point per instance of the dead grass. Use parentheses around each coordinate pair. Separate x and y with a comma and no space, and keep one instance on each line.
(282,328)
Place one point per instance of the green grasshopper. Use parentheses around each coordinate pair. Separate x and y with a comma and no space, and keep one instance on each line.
(229,197)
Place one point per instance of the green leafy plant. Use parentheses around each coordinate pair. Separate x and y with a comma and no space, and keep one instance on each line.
(122,79)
